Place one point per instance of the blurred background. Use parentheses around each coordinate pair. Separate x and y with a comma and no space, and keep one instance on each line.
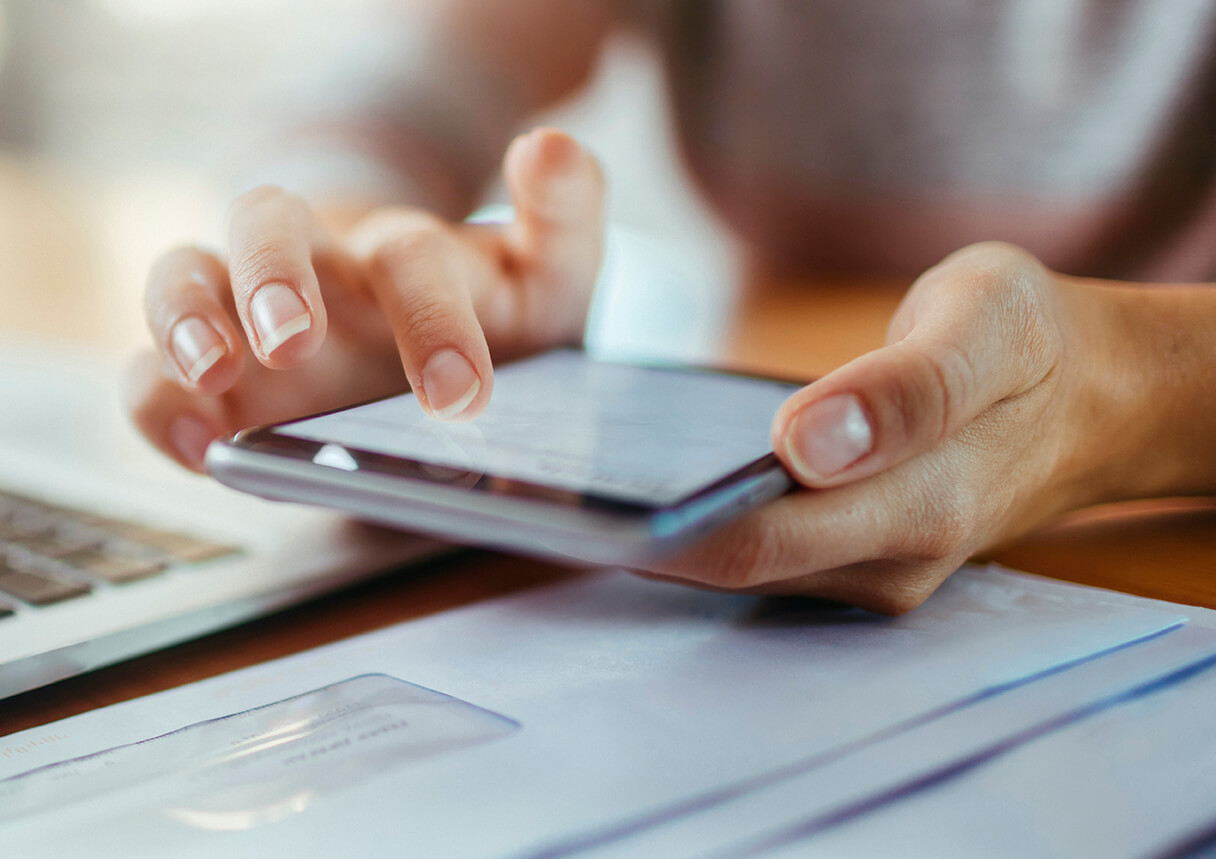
(126,126)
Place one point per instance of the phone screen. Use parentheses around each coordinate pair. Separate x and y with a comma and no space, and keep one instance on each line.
(639,434)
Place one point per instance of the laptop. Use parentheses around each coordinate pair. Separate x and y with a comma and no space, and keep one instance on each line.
(108,550)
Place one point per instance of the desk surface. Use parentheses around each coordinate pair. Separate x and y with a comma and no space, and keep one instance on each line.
(1162,549)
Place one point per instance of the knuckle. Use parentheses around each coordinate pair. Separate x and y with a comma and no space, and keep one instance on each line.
(262,262)
(1008,283)
(173,267)
(381,229)
(1027,326)
(398,219)
(421,315)
(979,269)
(992,248)
(1003,275)
(1011,286)
(926,402)
(951,380)
(998,258)
(414,264)
(405,249)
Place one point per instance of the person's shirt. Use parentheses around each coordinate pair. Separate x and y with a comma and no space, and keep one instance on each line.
(855,136)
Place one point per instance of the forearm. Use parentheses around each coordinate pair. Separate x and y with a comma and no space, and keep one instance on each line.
(1152,415)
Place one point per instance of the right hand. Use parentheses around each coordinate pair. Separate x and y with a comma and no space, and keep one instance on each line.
(296,320)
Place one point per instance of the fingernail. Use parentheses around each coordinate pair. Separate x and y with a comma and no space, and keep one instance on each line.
(828,436)
(449,383)
(190,438)
(278,314)
(196,346)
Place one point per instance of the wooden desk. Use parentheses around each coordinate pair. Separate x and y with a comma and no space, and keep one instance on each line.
(1163,549)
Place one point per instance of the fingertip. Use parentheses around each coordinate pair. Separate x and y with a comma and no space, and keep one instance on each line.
(822,440)
(204,355)
(273,236)
(287,328)
(199,342)
(451,388)
(189,437)
(552,176)
(166,415)
(551,149)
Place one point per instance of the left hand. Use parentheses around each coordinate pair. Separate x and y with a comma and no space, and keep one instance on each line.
(974,423)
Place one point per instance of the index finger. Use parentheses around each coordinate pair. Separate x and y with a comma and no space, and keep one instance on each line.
(271,238)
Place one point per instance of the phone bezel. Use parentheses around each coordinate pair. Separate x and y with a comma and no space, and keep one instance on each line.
(268,440)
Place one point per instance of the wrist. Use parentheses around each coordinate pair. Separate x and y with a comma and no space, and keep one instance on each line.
(1144,406)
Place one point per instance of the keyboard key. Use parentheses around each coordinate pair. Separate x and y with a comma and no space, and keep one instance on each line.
(11,505)
(114,550)
(179,547)
(58,542)
(37,588)
(116,567)
(26,523)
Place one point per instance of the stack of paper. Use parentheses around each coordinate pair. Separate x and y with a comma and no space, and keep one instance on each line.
(616,716)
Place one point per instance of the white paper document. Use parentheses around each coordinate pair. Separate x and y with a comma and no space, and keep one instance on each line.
(1137,779)
(968,804)
(587,717)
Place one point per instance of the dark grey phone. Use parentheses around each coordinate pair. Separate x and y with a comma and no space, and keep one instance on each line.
(600,461)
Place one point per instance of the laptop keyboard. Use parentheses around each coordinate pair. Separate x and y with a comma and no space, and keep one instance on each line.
(49,554)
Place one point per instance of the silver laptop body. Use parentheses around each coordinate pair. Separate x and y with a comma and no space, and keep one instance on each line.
(108,550)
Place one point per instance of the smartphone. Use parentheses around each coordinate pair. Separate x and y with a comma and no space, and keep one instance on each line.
(600,461)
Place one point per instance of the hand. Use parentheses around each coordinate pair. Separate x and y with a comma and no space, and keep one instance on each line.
(976,422)
(297,320)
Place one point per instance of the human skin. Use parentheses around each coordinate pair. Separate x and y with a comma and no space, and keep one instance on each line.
(297,319)
(1006,394)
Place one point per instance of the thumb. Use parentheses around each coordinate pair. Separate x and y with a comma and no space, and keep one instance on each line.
(976,339)
(558,192)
